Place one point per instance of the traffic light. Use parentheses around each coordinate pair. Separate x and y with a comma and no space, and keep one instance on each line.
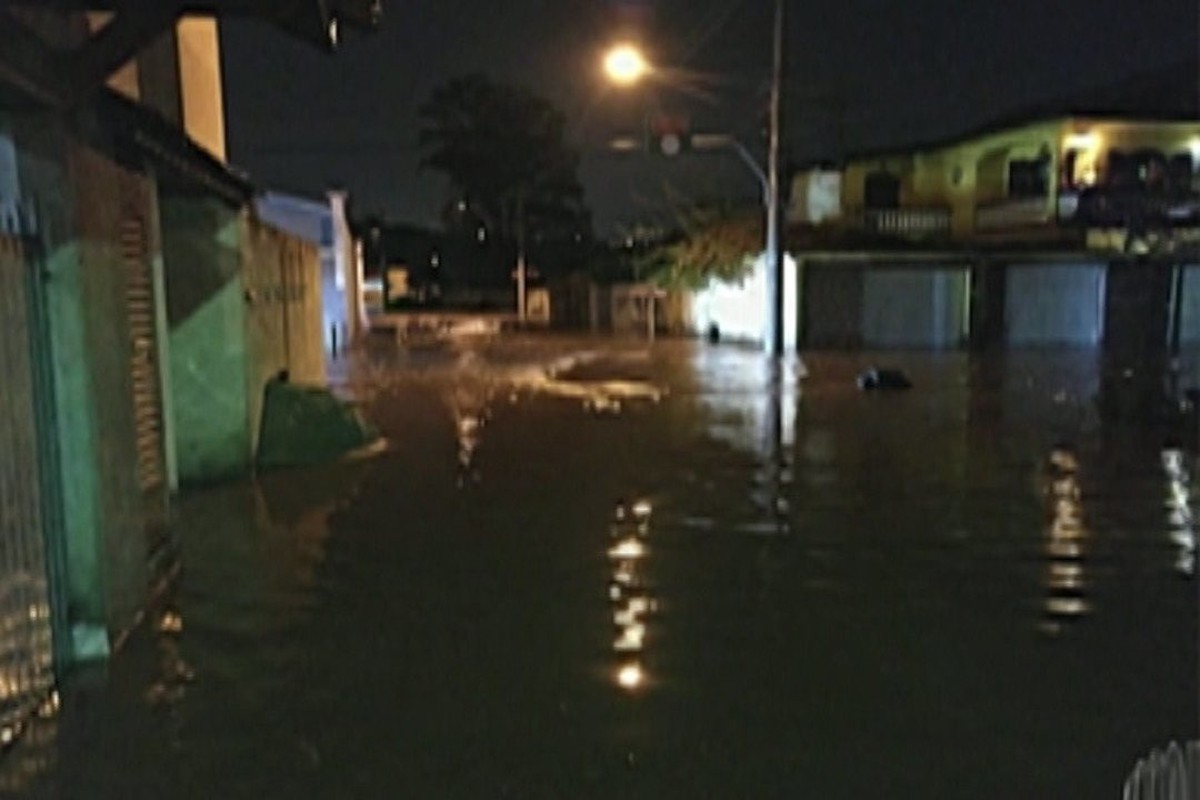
(669,135)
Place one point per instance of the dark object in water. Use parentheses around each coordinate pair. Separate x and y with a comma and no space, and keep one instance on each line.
(876,378)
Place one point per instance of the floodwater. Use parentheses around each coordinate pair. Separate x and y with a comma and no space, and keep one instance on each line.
(587,569)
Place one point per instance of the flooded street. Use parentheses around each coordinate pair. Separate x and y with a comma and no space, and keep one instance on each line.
(587,569)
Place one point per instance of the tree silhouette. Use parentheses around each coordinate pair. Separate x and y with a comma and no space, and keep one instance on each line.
(712,241)
(505,150)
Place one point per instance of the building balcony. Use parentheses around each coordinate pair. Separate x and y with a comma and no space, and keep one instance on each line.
(1134,208)
(1022,212)
(907,223)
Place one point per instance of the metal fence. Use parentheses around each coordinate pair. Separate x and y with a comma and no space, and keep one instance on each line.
(1172,773)
(26,646)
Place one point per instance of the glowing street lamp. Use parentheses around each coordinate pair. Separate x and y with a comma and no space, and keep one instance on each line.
(625,64)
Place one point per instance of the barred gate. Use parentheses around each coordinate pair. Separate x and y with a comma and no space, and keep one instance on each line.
(143,363)
(146,390)
(26,644)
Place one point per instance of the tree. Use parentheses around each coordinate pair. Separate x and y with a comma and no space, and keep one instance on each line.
(505,150)
(711,242)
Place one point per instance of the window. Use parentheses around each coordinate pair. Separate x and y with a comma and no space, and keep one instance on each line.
(882,190)
(1029,177)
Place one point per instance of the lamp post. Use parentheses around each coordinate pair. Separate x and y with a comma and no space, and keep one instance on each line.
(625,65)
(773,341)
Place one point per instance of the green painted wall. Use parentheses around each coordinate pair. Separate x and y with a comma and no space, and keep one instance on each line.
(206,319)
(79,195)
(103,194)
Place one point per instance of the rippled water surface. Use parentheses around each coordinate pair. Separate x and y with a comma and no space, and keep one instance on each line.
(597,570)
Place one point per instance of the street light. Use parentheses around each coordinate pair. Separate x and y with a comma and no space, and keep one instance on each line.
(625,65)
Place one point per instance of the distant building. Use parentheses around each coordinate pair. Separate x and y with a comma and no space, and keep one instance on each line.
(324,224)
(1015,235)
(1044,180)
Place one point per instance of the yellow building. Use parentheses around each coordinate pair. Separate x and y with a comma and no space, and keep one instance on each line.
(1041,180)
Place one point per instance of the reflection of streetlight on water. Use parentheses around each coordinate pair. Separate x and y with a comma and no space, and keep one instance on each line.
(628,594)
(1066,545)
(1180,516)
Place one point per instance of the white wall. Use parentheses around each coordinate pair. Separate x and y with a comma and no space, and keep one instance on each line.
(739,309)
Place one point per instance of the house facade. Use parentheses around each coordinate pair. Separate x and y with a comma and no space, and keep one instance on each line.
(1070,230)
(143,309)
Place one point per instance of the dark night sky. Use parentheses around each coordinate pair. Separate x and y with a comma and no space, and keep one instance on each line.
(862,74)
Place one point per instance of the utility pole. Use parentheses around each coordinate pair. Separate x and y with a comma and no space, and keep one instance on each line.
(773,340)
(521,256)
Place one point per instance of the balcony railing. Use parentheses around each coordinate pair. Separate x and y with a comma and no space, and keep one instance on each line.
(1019,213)
(907,222)
(1133,207)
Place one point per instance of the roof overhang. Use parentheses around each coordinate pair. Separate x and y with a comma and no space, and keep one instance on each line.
(64,79)
(319,22)
(141,139)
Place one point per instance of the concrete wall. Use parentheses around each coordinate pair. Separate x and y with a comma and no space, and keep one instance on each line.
(917,308)
(739,309)
(1055,304)
(201,95)
(80,197)
(206,319)
(347,273)
(108,352)
(284,322)
(316,222)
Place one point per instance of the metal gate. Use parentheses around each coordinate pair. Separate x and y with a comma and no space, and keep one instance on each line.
(143,364)
(26,641)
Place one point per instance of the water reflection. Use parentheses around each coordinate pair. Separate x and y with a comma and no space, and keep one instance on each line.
(35,754)
(1180,519)
(629,592)
(751,402)
(26,650)
(470,407)
(478,380)
(1066,544)
(174,674)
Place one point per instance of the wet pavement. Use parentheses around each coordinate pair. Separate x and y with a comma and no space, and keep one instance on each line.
(587,569)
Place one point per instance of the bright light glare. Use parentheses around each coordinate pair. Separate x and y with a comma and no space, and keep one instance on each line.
(630,676)
(625,64)
(1067,606)
(625,617)
(1082,141)
(631,639)
(629,548)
